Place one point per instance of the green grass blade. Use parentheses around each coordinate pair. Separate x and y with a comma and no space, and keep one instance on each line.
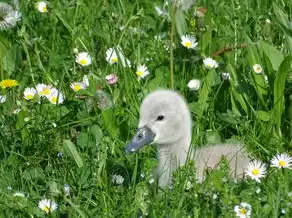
(71,150)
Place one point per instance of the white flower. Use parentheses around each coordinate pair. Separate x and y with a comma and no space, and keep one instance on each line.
(257,69)
(26,119)
(268,21)
(3,98)
(210,63)
(225,76)
(243,210)
(29,93)
(85,80)
(83,58)
(188,185)
(48,205)
(42,6)
(16,111)
(194,84)
(281,161)
(214,196)
(151,180)
(44,90)
(118,179)
(142,71)
(189,41)
(67,190)
(56,97)
(75,50)
(111,79)
(19,194)
(256,170)
(76,86)
(115,55)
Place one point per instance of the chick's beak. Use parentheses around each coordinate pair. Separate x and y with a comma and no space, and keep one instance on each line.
(143,137)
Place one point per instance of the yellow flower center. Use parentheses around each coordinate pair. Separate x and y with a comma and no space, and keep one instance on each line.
(45,91)
(255,172)
(54,99)
(77,88)
(242,211)
(188,44)
(8,83)
(282,163)
(46,209)
(115,60)
(83,62)
(29,96)
(44,8)
(139,73)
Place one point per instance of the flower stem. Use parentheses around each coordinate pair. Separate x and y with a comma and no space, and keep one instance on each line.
(171,46)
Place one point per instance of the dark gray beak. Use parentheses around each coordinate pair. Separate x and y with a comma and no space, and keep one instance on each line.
(143,137)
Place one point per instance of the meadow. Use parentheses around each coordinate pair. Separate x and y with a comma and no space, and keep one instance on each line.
(74,72)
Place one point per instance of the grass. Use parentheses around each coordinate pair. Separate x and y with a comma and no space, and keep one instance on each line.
(80,142)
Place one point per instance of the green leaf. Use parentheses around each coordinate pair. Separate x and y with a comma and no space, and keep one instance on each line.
(158,80)
(71,151)
(213,137)
(97,134)
(279,86)
(82,140)
(236,95)
(282,19)
(12,59)
(180,22)
(109,122)
(263,115)
(206,90)
(274,55)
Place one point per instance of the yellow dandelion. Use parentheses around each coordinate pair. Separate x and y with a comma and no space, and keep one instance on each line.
(8,83)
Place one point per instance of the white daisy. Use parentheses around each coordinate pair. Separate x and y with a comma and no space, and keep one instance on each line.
(243,210)
(56,97)
(111,79)
(44,90)
(29,93)
(3,98)
(83,58)
(256,170)
(48,205)
(117,179)
(281,161)
(210,63)
(67,190)
(142,71)
(225,76)
(257,69)
(189,41)
(19,194)
(194,84)
(115,55)
(42,6)
(77,86)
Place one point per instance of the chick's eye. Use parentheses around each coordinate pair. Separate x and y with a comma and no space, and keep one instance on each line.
(160,117)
